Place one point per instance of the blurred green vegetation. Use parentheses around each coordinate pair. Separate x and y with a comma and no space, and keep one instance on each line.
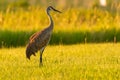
(20,38)
(20,19)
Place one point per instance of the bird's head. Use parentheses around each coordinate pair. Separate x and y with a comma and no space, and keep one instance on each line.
(51,8)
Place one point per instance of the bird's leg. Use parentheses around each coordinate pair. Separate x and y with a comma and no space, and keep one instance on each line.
(40,58)
(41,52)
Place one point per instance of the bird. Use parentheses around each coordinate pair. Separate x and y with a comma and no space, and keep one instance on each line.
(39,40)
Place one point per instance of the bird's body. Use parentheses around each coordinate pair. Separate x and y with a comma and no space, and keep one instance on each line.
(39,40)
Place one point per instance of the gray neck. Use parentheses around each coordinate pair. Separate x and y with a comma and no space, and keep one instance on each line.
(51,21)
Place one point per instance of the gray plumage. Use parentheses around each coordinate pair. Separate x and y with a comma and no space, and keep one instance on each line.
(39,40)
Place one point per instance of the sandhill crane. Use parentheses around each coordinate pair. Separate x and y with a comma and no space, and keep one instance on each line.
(39,40)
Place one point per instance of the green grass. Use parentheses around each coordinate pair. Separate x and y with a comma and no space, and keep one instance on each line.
(63,62)
(20,38)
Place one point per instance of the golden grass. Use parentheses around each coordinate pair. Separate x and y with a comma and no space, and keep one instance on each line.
(66,62)
(35,18)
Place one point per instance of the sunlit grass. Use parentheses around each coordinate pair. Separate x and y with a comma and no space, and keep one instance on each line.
(35,18)
(63,62)
(75,24)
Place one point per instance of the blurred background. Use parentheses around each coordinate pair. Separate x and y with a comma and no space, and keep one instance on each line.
(108,4)
(81,21)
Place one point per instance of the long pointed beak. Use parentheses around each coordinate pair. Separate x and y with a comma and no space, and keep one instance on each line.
(56,10)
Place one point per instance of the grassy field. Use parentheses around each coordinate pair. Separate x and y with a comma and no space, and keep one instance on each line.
(73,25)
(35,18)
(93,59)
(63,62)
(60,37)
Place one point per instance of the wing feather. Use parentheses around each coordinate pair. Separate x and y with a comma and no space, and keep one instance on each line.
(37,41)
